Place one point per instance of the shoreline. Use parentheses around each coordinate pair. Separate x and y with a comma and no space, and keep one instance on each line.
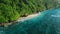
(19,19)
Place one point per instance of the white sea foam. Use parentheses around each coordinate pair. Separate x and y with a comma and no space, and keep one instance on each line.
(55,15)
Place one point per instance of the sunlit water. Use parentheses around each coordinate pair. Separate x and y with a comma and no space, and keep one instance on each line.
(46,23)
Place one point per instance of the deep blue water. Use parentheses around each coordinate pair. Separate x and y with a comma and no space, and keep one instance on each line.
(46,23)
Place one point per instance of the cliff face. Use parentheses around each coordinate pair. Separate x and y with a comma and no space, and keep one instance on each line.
(10,10)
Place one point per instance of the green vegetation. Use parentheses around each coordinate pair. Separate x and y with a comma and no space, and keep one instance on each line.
(10,10)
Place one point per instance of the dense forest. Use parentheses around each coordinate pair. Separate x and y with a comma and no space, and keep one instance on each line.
(11,10)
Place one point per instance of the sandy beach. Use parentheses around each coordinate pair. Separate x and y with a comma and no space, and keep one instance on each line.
(28,17)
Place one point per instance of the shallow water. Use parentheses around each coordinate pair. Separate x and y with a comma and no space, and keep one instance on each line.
(46,23)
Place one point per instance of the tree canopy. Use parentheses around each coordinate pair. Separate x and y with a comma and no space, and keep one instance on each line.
(10,10)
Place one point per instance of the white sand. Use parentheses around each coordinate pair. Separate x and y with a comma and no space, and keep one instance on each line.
(28,17)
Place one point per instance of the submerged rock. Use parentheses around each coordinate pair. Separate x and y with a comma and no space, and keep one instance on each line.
(46,23)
